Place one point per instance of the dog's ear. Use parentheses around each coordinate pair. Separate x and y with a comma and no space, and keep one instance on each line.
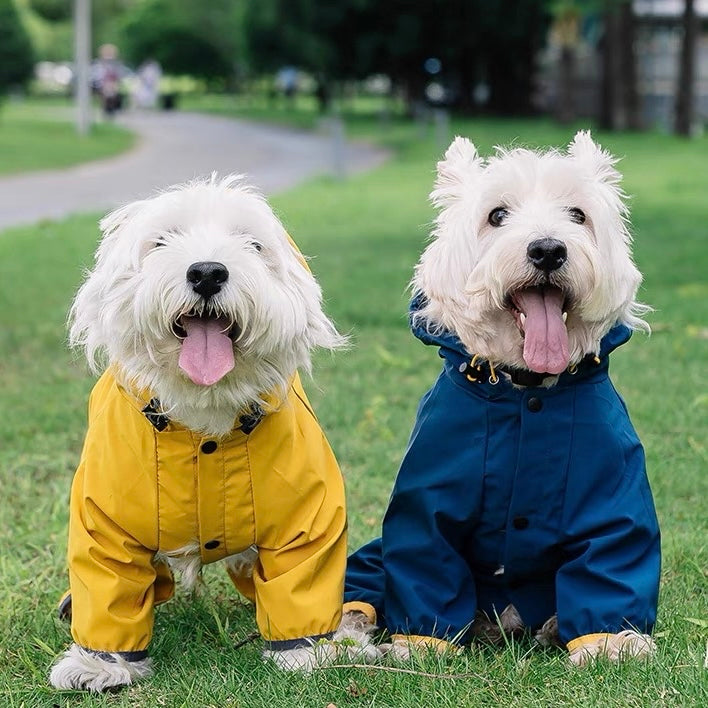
(115,220)
(456,171)
(598,162)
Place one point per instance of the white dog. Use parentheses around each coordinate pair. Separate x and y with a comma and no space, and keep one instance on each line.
(523,494)
(201,443)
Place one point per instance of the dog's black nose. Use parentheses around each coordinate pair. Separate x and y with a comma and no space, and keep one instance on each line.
(207,277)
(547,254)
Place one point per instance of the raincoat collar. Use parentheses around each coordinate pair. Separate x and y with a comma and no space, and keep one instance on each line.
(456,356)
(151,408)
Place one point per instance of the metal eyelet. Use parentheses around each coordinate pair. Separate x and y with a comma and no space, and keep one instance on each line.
(494,380)
(573,369)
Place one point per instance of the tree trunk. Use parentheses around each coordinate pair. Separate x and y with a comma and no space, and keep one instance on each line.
(628,67)
(565,105)
(566,25)
(619,104)
(687,71)
(609,86)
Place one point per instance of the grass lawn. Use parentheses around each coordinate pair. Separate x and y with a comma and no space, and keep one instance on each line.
(365,235)
(40,134)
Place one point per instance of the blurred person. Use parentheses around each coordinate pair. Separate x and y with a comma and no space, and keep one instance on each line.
(287,82)
(147,87)
(108,75)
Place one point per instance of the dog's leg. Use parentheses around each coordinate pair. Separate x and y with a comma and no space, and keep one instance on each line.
(82,669)
(351,642)
(548,635)
(508,623)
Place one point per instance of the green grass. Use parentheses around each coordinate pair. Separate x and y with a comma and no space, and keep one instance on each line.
(40,134)
(365,235)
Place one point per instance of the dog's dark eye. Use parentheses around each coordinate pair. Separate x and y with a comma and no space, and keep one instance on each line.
(577,216)
(257,246)
(498,216)
(158,243)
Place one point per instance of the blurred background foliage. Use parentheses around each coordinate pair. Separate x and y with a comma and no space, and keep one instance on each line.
(625,63)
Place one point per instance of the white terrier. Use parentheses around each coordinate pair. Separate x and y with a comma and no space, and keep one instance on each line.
(201,443)
(523,494)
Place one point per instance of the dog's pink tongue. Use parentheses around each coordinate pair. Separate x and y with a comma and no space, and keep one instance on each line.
(207,352)
(545,334)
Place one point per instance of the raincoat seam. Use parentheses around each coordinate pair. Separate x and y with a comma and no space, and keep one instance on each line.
(304,403)
(222,450)
(197,488)
(247,444)
(564,517)
(158,516)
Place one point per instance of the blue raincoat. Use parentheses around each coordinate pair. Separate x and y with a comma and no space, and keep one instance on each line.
(536,497)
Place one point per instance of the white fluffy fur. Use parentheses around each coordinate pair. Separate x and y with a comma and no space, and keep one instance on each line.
(470,267)
(124,312)
(80,669)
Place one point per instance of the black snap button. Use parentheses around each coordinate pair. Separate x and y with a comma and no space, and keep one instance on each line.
(211,545)
(209,446)
(520,523)
(534,404)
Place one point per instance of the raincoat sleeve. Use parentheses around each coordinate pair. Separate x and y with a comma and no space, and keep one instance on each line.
(611,580)
(426,528)
(300,533)
(112,576)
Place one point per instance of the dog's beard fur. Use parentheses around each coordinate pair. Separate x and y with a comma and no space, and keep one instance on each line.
(470,269)
(126,312)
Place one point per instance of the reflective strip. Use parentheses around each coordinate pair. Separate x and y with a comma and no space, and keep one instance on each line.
(284,644)
(586,639)
(112,656)
(364,607)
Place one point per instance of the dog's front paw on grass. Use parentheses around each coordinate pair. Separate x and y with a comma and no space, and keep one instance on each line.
(615,647)
(84,670)
(404,646)
(326,652)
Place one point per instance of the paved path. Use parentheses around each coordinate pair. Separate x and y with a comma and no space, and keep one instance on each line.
(174,147)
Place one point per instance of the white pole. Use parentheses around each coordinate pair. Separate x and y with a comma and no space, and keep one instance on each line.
(82,64)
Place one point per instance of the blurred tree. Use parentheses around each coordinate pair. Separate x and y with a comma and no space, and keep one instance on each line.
(201,39)
(16,54)
(687,71)
(331,40)
(475,41)
(52,10)
(619,104)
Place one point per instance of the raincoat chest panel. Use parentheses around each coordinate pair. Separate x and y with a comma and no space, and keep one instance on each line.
(204,494)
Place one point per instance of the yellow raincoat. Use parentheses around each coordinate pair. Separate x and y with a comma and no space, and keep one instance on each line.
(139,489)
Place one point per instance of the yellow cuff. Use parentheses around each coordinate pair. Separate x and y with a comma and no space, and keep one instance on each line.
(586,639)
(364,607)
(417,640)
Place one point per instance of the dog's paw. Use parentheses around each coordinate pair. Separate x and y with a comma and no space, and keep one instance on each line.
(547,635)
(84,670)
(350,643)
(615,647)
(497,631)
(305,658)
(403,646)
